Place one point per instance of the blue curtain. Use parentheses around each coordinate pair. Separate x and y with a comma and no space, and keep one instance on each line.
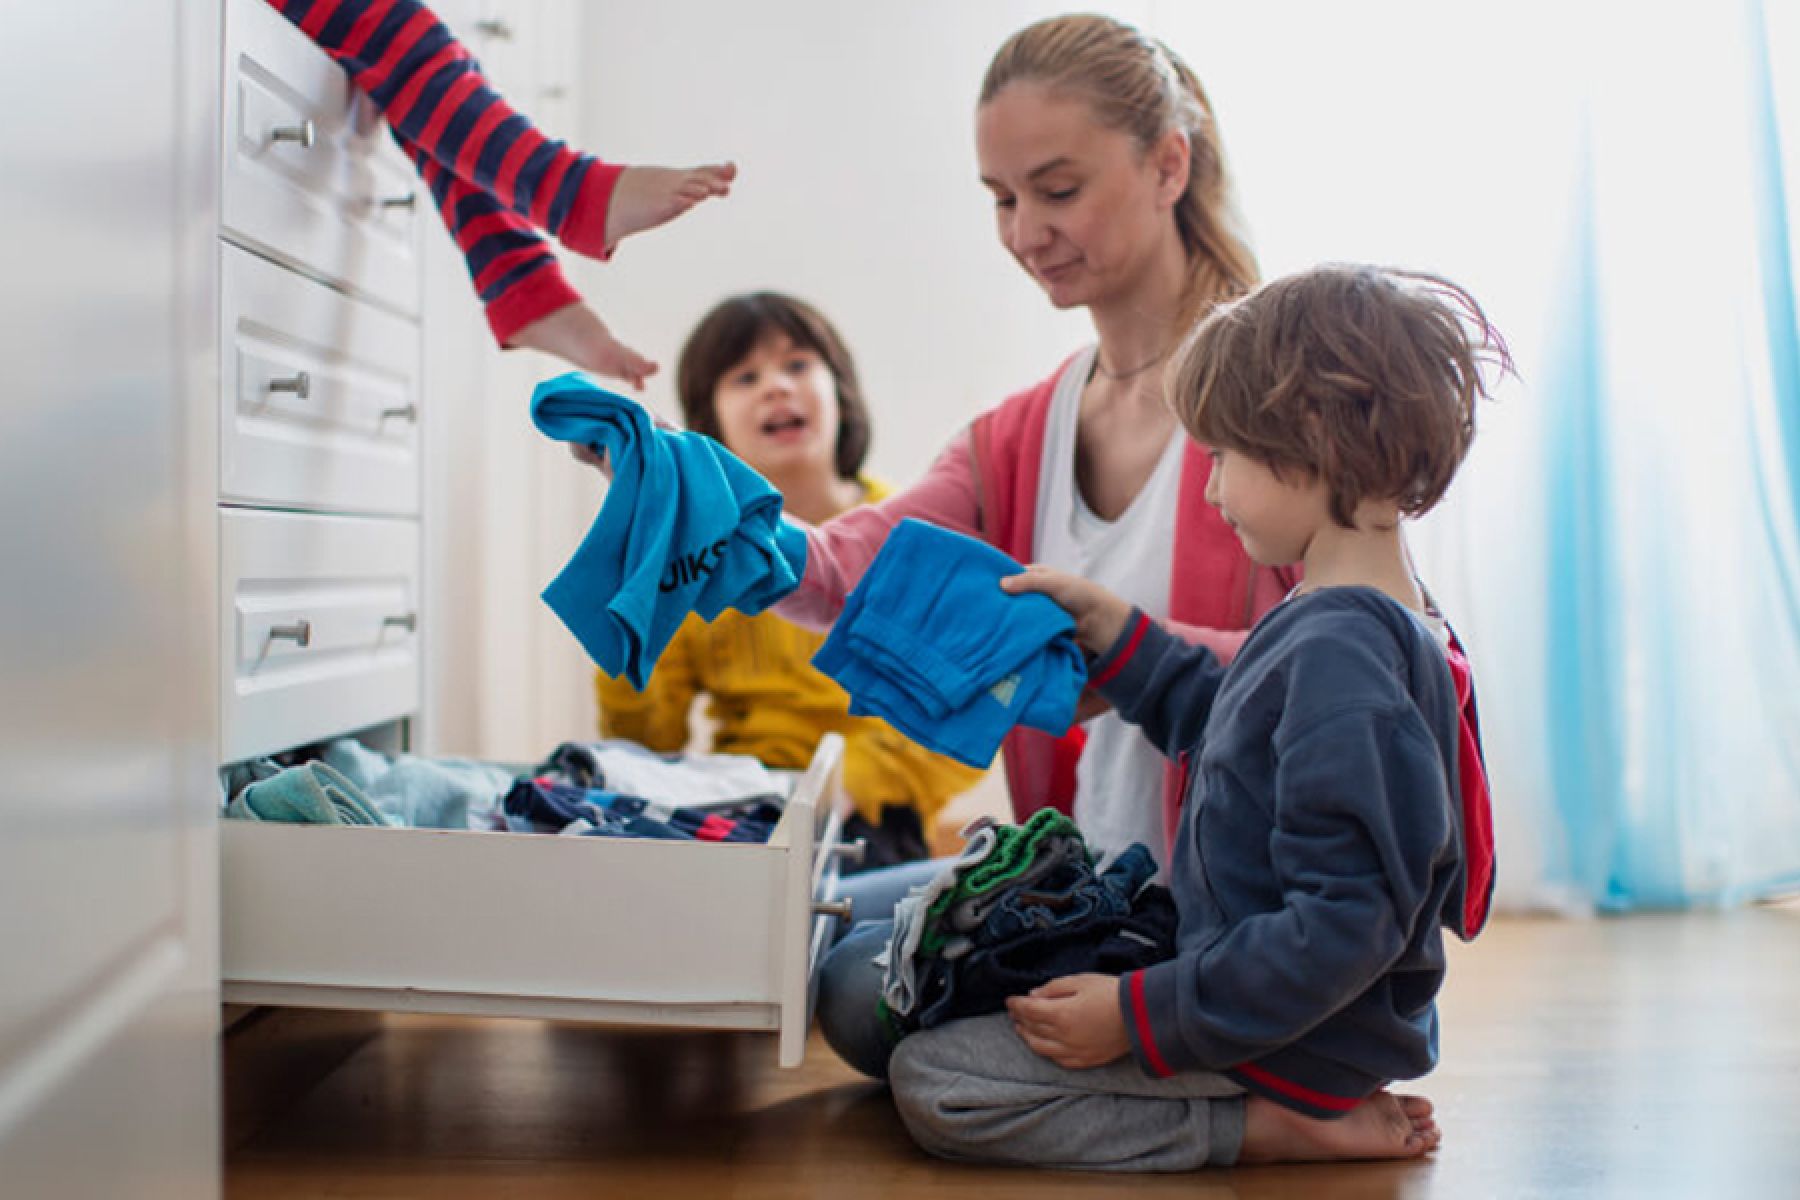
(1670,394)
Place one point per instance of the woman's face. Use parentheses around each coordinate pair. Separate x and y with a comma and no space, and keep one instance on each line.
(1080,206)
(778,408)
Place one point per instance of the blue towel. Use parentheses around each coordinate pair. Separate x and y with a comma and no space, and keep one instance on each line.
(310,794)
(930,642)
(421,793)
(685,526)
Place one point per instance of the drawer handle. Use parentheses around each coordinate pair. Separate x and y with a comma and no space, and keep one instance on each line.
(854,853)
(300,385)
(409,201)
(494,28)
(406,412)
(302,135)
(300,633)
(841,909)
(406,621)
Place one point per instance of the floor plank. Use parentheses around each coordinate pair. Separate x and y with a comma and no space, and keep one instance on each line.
(1645,1056)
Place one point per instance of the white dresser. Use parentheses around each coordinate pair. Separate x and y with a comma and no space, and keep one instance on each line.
(329,521)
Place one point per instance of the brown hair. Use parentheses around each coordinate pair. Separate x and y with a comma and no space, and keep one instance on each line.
(1363,377)
(734,327)
(1137,85)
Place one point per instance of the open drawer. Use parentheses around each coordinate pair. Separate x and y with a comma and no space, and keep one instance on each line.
(690,934)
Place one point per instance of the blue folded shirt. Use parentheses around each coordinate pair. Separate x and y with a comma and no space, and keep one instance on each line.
(685,527)
(929,642)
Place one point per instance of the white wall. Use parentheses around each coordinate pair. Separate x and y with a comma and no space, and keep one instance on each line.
(853,125)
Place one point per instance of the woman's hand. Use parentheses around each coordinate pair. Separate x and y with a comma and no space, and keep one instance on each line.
(1075,1021)
(1100,616)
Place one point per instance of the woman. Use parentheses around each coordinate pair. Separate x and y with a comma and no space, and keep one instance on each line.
(1099,148)
(1104,163)
(771,378)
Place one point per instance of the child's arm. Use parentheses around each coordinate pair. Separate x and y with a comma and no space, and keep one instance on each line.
(1157,681)
(1361,829)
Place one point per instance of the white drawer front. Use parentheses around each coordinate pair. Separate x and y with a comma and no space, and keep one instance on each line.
(595,929)
(319,628)
(319,395)
(309,170)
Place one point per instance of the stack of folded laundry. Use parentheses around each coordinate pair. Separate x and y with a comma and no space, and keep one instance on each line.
(686,527)
(930,642)
(1023,905)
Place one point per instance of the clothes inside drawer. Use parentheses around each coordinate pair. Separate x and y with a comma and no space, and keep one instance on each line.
(318,626)
(309,173)
(618,930)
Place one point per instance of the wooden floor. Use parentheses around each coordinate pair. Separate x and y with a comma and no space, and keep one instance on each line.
(1640,1057)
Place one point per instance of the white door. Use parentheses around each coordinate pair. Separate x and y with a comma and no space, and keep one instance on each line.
(108,883)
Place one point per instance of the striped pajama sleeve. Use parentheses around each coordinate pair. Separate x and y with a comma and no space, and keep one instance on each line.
(491,172)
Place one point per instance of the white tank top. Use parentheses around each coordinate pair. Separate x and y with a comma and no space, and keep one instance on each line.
(1118,781)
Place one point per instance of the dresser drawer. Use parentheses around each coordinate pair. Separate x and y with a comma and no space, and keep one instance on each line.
(309,172)
(686,934)
(318,627)
(319,395)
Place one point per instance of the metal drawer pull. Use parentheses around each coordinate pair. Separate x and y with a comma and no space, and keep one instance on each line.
(409,200)
(300,385)
(302,134)
(841,909)
(495,28)
(853,853)
(406,621)
(409,412)
(300,633)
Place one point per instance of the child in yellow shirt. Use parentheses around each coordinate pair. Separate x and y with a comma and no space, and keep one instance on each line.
(768,375)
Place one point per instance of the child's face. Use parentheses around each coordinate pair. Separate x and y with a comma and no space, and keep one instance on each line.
(778,409)
(1275,516)
(1078,205)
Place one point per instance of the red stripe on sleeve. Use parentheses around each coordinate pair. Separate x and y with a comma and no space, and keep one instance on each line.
(1131,647)
(377,72)
(1288,1087)
(448,103)
(1140,1017)
(476,142)
(545,194)
(402,104)
(365,27)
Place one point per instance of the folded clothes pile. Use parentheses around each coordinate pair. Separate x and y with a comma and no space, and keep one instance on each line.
(930,642)
(1023,905)
(685,527)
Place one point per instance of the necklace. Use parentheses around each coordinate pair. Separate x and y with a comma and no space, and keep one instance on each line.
(1101,369)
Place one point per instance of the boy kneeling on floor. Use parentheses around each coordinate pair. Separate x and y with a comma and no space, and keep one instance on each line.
(1336,815)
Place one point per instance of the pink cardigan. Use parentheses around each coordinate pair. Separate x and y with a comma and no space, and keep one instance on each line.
(985,484)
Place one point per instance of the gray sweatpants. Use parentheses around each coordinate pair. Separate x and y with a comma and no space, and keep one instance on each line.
(972,1090)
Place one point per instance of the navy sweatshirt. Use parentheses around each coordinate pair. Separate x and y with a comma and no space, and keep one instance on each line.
(1320,849)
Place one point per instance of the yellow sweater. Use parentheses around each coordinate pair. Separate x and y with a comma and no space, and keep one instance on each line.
(767,701)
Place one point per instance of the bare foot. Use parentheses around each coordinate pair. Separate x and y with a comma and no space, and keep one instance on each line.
(645,197)
(1383,1126)
(576,334)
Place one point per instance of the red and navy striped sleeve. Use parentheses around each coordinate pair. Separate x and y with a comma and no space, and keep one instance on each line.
(514,272)
(493,174)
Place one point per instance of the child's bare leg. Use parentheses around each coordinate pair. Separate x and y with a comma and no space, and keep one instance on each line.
(1383,1126)
(577,335)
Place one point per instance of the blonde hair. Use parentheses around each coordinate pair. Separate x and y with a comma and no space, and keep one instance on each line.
(1363,377)
(1138,86)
